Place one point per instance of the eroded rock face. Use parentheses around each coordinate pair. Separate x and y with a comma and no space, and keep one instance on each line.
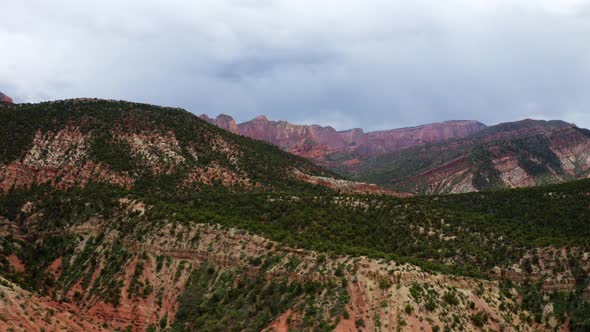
(122,142)
(304,139)
(320,143)
(4,98)
(378,291)
(22,310)
(222,121)
(351,187)
(394,140)
(566,153)
(60,159)
(440,154)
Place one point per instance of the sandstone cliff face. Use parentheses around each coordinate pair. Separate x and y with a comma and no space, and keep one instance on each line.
(222,121)
(22,310)
(292,137)
(436,158)
(344,149)
(60,159)
(5,99)
(394,140)
(345,186)
(512,159)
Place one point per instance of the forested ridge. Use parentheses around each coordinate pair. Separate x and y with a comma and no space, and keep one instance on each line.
(520,232)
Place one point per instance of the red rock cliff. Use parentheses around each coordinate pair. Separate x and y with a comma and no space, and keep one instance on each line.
(5,98)
(318,143)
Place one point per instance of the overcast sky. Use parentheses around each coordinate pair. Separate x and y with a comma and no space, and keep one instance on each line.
(364,63)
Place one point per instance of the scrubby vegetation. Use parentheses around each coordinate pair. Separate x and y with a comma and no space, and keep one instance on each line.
(104,120)
(467,234)
(464,234)
(225,301)
(471,233)
(533,152)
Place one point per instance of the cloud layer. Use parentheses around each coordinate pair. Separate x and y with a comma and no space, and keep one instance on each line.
(374,64)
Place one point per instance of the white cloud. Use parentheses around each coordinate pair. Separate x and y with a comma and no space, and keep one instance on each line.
(375,64)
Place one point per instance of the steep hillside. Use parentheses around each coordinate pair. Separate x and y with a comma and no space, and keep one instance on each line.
(518,154)
(218,261)
(108,255)
(73,142)
(448,157)
(124,216)
(343,150)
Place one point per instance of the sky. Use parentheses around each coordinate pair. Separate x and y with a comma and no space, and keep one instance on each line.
(373,64)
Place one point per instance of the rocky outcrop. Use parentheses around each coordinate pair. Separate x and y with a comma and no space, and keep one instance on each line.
(343,149)
(512,159)
(222,121)
(378,292)
(350,187)
(5,99)
(387,141)
(438,157)
(72,143)
(129,269)
(22,310)
(60,159)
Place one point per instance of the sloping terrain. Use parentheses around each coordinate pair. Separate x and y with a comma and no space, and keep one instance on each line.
(73,142)
(449,157)
(518,154)
(121,262)
(343,150)
(4,99)
(126,216)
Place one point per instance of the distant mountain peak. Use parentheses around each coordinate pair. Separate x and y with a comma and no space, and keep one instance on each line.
(224,116)
(319,143)
(261,118)
(538,122)
(353,130)
(223,121)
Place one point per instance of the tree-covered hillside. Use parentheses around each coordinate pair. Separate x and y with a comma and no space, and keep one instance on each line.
(148,218)
(142,143)
(463,235)
(517,154)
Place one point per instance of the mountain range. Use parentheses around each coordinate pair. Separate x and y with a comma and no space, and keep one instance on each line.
(324,145)
(71,143)
(122,216)
(447,157)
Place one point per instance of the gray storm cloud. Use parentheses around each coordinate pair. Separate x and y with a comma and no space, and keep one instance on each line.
(372,64)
